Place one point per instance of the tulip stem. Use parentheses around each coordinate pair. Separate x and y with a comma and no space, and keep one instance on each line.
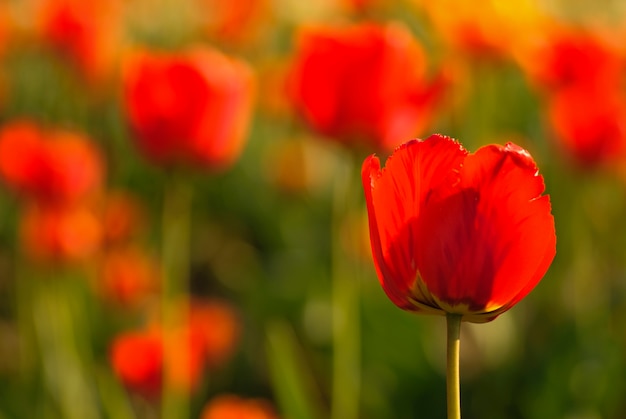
(175,259)
(453,384)
(346,327)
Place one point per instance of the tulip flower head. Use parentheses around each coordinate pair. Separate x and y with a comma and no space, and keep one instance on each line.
(230,406)
(458,232)
(55,166)
(137,359)
(189,108)
(364,83)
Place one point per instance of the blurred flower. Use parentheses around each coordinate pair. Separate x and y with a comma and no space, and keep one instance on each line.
(191,107)
(60,234)
(128,276)
(234,22)
(185,363)
(589,124)
(56,167)
(216,325)
(454,232)
(566,55)
(7,26)
(123,217)
(230,406)
(363,82)
(137,359)
(492,28)
(88,34)
(203,337)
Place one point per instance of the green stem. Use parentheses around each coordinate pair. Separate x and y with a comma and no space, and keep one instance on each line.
(453,384)
(345,301)
(175,260)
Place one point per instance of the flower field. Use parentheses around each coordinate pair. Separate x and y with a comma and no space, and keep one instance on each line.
(277,209)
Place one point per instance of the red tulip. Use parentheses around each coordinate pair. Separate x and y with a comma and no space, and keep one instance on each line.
(190,108)
(128,277)
(87,34)
(49,166)
(60,234)
(363,83)
(589,124)
(230,406)
(458,232)
(137,359)
(568,56)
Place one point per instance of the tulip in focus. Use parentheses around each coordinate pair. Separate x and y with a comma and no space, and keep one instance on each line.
(455,232)
(364,83)
(189,108)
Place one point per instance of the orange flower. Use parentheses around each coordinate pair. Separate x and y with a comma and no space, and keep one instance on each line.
(57,167)
(216,326)
(363,82)
(137,359)
(123,216)
(491,28)
(86,33)
(189,108)
(60,234)
(128,276)
(185,363)
(230,406)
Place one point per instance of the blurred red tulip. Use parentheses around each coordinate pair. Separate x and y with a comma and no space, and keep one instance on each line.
(87,34)
(137,359)
(57,167)
(123,217)
(216,325)
(141,362)
(589,124)
(364,82)
(564,56)
(454,232)
(60,234)
(203,337)
(230,406)
(190,108)
(128,276)
(185,363)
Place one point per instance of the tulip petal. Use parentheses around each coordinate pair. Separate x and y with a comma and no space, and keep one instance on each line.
(489,243)
(395,195)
